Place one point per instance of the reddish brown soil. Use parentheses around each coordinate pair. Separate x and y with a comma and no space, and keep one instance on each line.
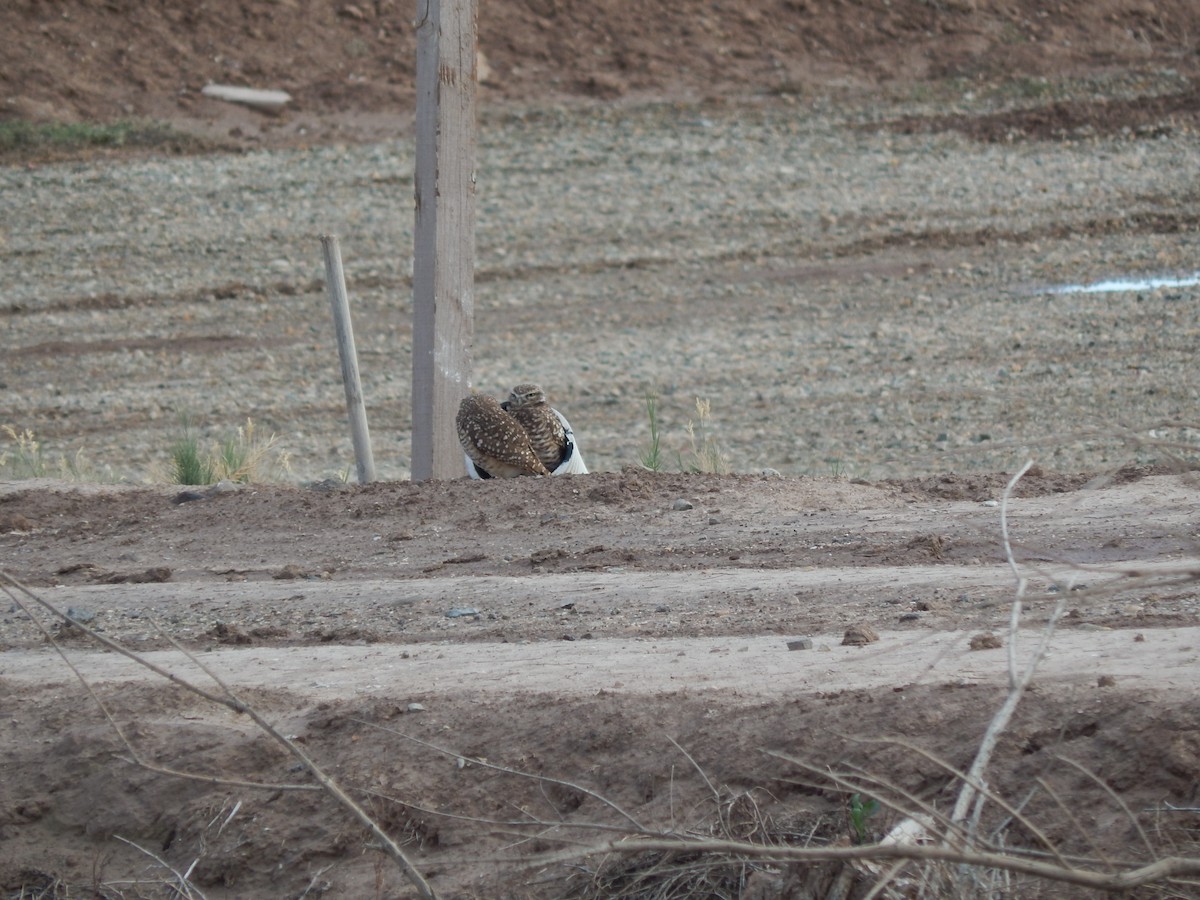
(607,623)
(350,66)
(572,628)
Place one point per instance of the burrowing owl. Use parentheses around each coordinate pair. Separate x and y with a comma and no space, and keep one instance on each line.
(494,440)
(527,404)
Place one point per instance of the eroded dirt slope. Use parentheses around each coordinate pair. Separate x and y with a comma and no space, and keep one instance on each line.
(346,63)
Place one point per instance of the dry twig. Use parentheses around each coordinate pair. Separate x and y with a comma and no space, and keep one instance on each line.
(1018,681)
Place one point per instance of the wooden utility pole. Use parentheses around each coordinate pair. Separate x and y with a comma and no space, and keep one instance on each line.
(444,240)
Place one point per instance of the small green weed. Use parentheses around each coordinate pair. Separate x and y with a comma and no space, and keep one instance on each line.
(22,140)
(651,457)
(188,463)
(233,455)
(860,811)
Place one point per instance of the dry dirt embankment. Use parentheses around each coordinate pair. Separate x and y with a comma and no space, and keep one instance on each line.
(604,622)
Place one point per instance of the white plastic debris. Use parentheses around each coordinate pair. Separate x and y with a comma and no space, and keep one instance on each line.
(264,101)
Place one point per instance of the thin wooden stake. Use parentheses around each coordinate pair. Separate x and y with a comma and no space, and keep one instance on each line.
(444,239)
(356,409)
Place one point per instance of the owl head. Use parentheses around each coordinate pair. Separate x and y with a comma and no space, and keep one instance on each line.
(527,394)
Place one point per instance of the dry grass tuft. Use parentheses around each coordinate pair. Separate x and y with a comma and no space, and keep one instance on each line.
(702,453)
(24,457)
(244,457)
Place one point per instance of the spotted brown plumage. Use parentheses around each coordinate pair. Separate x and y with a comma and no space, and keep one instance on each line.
(494,440)
(527,404)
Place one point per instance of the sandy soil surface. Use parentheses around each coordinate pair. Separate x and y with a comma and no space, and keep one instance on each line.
(573,630)
(627,633)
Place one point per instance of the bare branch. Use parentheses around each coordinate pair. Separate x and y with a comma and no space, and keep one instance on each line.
(1066,810)
(184,888)
(888,877)
(704,777)
(219,780)
(1018,682)
(530,822)
(105,641)
(846,783)
(983,789)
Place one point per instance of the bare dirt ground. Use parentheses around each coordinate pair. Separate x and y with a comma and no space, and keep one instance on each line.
(351,66)
(575,627)
(572,628)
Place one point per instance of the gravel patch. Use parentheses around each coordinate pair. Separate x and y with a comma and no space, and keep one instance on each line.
(848,299)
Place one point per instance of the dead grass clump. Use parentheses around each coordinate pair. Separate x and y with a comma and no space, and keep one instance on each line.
(670,874)
(660,875)
(25,457)
(35,885)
